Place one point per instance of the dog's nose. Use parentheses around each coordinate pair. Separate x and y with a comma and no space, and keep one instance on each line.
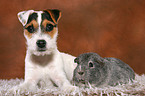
(41,43)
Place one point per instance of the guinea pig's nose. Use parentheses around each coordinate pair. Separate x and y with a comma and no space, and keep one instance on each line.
(81,73)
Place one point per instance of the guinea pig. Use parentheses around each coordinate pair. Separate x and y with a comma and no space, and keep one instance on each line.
(100,72)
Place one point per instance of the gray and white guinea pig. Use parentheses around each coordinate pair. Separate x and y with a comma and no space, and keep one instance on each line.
(100,72)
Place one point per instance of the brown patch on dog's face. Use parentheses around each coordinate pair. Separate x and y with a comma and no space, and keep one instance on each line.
(31,28)
(34,23)
(49,21)
(49,27)
(48,24)
(28,34)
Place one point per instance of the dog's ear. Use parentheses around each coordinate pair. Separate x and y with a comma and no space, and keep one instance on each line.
(54,13)
(23,16)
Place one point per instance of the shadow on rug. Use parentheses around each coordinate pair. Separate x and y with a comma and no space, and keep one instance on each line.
(137,88)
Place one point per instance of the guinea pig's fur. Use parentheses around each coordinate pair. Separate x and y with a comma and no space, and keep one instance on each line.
(100,72)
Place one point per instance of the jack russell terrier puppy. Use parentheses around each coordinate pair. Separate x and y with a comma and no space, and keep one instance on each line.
(45,66)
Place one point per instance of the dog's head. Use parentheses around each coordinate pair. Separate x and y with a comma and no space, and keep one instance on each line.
(40,30)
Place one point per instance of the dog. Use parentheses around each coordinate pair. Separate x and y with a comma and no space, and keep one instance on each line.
(45,66)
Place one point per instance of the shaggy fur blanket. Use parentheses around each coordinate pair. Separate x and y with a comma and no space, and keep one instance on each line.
(137,88)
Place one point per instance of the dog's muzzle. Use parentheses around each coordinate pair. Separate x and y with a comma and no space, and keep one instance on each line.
(41,44)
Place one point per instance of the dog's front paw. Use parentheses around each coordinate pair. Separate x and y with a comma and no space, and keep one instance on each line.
(22,88)
(70,89)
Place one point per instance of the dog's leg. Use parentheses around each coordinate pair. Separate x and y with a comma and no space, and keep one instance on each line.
(32,76)
(59,77)
(69,65)
(29,85)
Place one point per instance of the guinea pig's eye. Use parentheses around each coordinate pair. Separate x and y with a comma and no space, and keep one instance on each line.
(91,64)
(49,27)
(30,28)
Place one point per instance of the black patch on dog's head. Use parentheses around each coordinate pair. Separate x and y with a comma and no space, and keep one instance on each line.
(33,16)
(56,14)
(47,16)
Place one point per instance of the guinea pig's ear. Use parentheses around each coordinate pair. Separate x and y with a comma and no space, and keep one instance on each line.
(76,60)
(100,61)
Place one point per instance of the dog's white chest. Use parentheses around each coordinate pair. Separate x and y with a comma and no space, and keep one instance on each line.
(44,68)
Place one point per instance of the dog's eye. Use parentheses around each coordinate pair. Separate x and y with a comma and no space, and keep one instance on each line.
(91,64)
(49,27)
(30,29)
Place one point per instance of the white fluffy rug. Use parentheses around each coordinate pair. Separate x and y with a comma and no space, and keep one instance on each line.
(132,89)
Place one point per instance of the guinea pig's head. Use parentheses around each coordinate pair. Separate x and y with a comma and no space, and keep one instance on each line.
(88,67)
